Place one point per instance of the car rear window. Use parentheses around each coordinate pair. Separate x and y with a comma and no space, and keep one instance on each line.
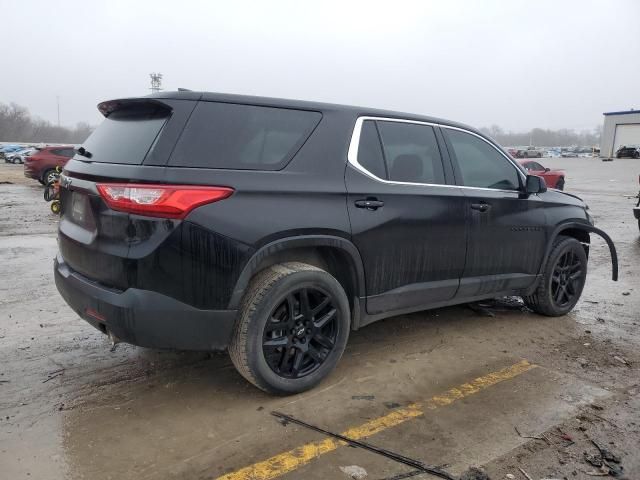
(126,136)
(242,137)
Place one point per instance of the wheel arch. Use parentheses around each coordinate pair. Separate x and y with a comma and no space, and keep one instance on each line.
(581,232)
(336,255)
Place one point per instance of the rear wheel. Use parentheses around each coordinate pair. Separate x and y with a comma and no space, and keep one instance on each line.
(292,328)
(562,280)
(560,183)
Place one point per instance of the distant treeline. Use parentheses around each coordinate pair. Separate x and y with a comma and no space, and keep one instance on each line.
(17,125)
(545,138)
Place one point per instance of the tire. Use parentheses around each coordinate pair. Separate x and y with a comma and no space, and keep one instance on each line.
(48,176)
(566,261)
(560,183)
(273,298)
(49,191)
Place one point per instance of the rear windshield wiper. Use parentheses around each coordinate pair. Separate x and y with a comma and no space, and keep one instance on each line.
(84,152)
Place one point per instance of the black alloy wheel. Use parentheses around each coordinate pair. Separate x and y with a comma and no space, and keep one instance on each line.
(562,280)
(300,333)
(292,328)
(567,279)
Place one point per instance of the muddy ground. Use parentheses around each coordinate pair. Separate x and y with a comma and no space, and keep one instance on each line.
(70,408)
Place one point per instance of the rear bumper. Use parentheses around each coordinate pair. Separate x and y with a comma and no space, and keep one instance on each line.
(143,317)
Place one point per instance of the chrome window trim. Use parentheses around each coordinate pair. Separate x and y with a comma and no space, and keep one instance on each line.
(352,154)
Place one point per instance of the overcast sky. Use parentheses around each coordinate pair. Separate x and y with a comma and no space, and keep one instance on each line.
(515,63)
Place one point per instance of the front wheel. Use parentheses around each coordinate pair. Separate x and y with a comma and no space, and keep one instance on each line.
(562,280)
(292,328)
(49,176)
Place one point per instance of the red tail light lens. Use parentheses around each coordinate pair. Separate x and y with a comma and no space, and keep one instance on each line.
(166,201)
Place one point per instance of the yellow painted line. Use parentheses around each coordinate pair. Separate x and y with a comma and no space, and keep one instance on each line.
(293,459)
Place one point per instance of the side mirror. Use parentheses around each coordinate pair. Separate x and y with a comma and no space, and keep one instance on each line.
(547,169)
(535,184)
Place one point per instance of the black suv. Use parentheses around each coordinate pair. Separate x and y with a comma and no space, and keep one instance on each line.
(274,227)
(632,151)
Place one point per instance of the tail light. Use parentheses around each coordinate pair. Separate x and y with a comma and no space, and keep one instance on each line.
(166,201)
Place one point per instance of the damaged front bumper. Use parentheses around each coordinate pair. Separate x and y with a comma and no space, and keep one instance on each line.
(612,249)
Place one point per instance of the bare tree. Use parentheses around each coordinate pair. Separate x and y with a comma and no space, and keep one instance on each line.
(17,125)
(545,138)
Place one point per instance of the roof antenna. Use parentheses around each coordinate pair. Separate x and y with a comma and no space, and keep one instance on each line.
(184,89)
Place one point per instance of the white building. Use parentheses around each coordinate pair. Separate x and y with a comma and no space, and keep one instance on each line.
(620,129)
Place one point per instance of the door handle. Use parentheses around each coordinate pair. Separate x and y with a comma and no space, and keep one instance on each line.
(481,207)
(369,203)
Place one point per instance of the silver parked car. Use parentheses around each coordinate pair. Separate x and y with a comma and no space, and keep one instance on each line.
(19,155)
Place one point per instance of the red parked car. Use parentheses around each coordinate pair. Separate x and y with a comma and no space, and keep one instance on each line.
(42,164)
(553,178)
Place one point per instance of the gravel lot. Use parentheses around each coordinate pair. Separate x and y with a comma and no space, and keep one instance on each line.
(70,408)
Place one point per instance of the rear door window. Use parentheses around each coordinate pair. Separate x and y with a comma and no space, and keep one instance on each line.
(411,152)
(370,150)
(127,135)
(243,137)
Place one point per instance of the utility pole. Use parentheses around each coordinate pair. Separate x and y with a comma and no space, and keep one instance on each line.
(58,103)
(156,82)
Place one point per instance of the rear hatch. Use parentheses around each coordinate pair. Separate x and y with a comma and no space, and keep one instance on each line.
(131,144)
(152,162)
